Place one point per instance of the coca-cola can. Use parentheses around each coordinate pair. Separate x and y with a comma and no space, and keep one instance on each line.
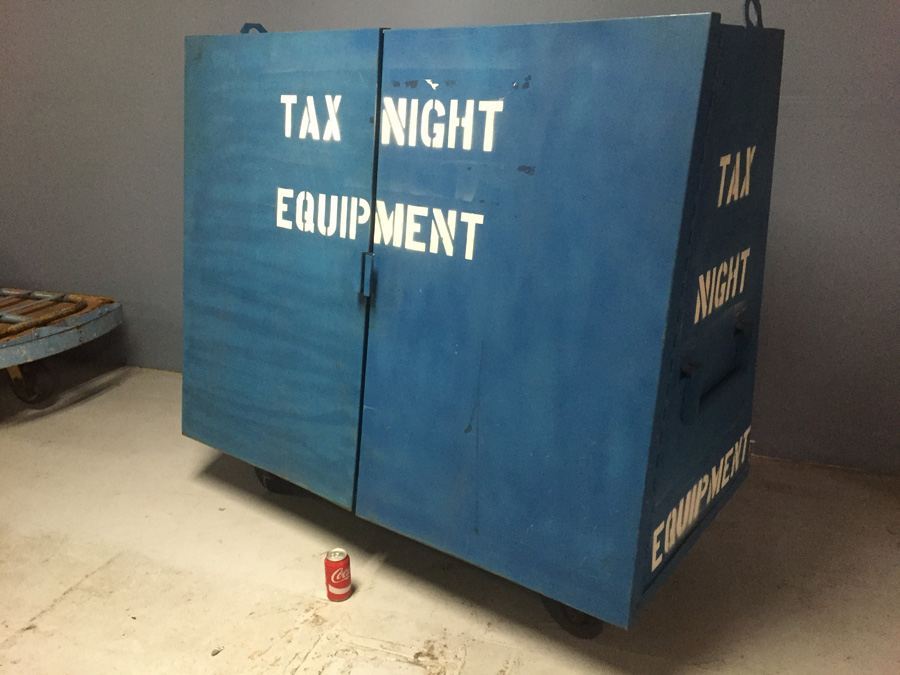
(337,575)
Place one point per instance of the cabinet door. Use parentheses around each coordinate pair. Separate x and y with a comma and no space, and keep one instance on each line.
(274,323)
(531,181)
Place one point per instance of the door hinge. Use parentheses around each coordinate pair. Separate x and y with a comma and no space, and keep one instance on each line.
(366,282)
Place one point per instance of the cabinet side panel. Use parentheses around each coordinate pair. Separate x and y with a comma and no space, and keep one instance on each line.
(701,444)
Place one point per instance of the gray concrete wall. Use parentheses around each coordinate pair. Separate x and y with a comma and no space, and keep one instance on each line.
(91,171)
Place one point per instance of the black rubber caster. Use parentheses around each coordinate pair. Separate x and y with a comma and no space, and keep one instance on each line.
(573,621)
(275,484)
(33,383)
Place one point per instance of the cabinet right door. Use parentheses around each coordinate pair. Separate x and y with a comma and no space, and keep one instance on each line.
(530,189)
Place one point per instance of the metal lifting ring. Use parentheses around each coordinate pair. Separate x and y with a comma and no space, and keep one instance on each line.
(756,6)
(258,27)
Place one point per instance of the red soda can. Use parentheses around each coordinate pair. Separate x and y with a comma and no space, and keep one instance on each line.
(337,574)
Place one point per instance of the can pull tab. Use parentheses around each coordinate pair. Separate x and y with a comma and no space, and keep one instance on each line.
(758,9)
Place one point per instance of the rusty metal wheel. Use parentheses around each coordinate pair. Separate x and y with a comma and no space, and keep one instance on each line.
(276,485)
(33,383)
(573,621)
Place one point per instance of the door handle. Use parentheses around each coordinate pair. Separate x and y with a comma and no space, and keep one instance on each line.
(367,275)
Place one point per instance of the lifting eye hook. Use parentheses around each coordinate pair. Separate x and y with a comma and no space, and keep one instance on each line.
(758,9)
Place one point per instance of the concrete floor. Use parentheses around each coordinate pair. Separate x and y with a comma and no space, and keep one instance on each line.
(125,548)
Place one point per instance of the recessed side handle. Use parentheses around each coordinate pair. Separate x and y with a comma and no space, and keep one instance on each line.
(699,395)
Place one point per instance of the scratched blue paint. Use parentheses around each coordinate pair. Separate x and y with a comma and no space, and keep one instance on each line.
(39,343)
(273,326)
(539,409)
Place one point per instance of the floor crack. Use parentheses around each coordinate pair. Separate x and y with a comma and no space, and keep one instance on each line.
(31,624)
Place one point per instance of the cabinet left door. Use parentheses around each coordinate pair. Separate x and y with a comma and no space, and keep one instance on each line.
(278,162)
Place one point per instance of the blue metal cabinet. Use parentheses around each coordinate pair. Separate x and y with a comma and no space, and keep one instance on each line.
(538,355)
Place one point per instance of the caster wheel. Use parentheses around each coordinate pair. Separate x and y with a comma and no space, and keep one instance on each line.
(275,484)
(33,383)
(573,621)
